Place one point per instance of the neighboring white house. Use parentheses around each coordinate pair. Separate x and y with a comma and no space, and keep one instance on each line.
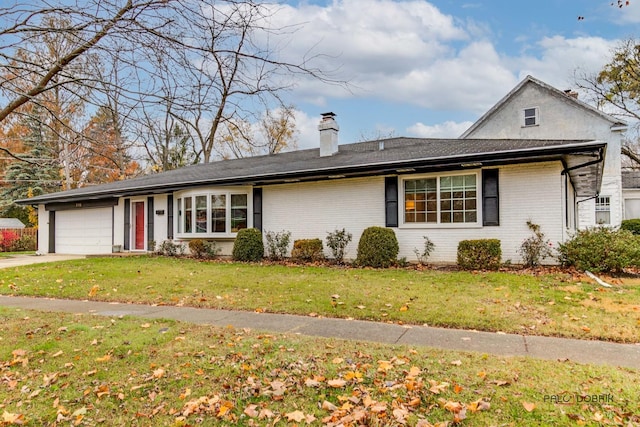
(14,223)
(631,193)
(536,110)
(510,167)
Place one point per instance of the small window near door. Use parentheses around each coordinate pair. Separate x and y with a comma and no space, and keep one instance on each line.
(603,210)
(531,117)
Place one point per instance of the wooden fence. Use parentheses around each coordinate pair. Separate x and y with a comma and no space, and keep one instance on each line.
(30,231)
(14,243)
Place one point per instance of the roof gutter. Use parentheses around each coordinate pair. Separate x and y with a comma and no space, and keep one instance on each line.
(600,159)
(517,155)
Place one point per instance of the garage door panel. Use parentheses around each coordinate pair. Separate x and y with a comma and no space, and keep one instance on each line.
(85,231)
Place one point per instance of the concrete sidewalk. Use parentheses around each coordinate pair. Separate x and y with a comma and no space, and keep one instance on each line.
(595,352)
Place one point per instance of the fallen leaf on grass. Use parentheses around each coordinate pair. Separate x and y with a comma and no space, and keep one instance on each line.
(338,383)
(478,405)
(251,411)
(296,416)
(528,406)
(328,406)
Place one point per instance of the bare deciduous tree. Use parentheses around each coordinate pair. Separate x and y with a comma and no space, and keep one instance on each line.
(617,88)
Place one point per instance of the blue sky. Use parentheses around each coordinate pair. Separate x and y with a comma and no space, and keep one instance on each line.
(431,68)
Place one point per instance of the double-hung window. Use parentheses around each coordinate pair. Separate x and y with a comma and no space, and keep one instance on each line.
(212,213)
(603,210)
(530,117)
(447,199)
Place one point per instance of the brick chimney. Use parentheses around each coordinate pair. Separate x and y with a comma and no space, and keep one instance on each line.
(571,93)
(328,128)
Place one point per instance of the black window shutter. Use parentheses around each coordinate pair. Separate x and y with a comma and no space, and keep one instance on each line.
(391,201)
(257,208)
(490,198)
(52,232)
(127,224)
(170,217)
(150,220)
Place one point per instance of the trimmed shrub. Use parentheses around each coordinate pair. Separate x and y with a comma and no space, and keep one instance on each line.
(601,249)
(197,248)
(337,241)
(632,225)
(248,245)
(277,244)
(482,254)
(378,247)
(307,250)
(203,248)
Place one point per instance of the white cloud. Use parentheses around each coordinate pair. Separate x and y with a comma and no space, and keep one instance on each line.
(412,54)
(560,58)
(447,129)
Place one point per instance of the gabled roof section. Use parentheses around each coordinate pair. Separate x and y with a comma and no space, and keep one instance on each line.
(552,91)
(384,157)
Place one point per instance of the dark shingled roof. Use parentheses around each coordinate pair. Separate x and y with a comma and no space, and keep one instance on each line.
(359,159)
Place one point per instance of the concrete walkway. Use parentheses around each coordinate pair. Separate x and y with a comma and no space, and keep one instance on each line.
(19,260)
(595,352)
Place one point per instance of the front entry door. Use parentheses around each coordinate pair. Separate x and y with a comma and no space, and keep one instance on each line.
(138,226)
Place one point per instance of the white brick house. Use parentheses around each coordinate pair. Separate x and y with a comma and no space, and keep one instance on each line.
(487,184)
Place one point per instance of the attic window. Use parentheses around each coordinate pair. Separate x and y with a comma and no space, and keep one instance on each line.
(531,117)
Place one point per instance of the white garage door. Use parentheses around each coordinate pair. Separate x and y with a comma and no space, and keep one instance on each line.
(84,231)
(631,208)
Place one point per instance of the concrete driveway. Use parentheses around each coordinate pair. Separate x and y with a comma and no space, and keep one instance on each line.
(19,260)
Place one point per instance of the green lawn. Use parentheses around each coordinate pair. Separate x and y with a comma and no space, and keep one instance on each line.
(85,370)
(556,304)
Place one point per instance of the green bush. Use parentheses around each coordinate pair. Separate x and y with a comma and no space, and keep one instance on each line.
(482,254)
(337,242)
(197,248)
(307,250)
(427,249)
(277,244)
(169,248)
(632,225)
(378,247)
(24,243)
(248,245)
(535,249)
(203,249)
(601,249)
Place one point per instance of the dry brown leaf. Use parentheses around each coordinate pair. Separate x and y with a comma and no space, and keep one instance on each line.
(296,416)
(478,405)
(251,411)
(337,383)
(528,406)
(328,406)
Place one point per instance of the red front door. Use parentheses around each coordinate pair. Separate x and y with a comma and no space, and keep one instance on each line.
(138,225)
